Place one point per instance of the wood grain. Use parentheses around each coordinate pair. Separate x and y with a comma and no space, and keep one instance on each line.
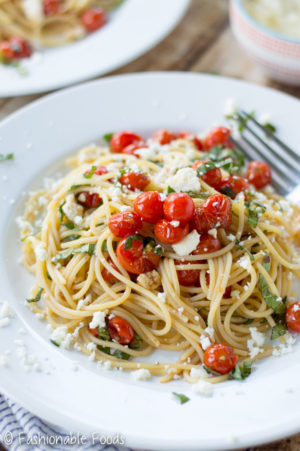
(202,42)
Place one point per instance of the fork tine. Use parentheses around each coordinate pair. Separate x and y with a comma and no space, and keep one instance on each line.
(272,136)
(287,161)
(278,182)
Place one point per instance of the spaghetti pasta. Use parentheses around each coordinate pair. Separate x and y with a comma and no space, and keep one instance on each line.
(241,288)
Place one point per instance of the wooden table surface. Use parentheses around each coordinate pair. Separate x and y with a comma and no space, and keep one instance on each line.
(202,42)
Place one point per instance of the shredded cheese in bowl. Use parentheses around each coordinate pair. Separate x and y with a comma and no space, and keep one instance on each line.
(282,16)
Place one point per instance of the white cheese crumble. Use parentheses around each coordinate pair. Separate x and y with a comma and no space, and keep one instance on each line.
(72,209)
(287,347)
(213,232)
(257,340)
(40,252)
(244,262)
(98,320)
(185,180)
(33,9)
(162,297)
(188,244)
(230,107)
(141,375)
(203,388)
(205,342)
(61,336)
(198,373)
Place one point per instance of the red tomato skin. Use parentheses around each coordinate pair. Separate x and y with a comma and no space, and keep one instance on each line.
(235,183)
(191,137)
(259,174)
(135,180)
(292,317)
(188,277)
(106,274)
(164,136)
(51,7)
(227,293)
(120,330)
(21,48)
(217,209)
(121,140)
(100,170)
(93,19)
(207,245)
(216,137)
(149,206)
(212,177)
(169,234)
(131,149)
(92,200)
(199,221)
(179,207)
(220,358)
(125,223)
(135,260)
(6,51)
(94,331)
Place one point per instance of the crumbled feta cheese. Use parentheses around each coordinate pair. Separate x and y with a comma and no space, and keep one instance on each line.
(98,320)
(40,252)
(205,342)
(231,237)
(91,346)
(188,244)
(72,209)
(107,365)
(210,331)
(78,220)
(198,373)
(141,375)
(162,297)
(6,310)
(213,232)
(149,280)
(61,336)
(287,347)
(146,153)
(185,180)
(257,340)
(33,9)
(244,262)
(203,388)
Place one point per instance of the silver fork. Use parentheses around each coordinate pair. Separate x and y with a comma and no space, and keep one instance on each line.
(260,143)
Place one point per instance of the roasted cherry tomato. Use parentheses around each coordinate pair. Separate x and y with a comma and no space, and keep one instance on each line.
(179,207)
(135,180)
(125,223)
(191,137)
(137,259)
(292,317)
(233,185)
(188,277)
(227,293)
(259,174)
(217,209)
(217,137)
(106,274)
(207,245)
(131,149)
(89,200)
(220,358)
(6,51)
(164,136)
(51,7)
(168,234)
(94,331)
(20,47)
(199,221)
(212,177)
(100,170)
(149,206)
(120,330)
(121,140)
(93,19)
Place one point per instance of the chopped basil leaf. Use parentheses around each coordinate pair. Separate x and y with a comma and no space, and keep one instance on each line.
(205,167)
(278,331)
(107,137)
(271,300)
(241,372)
(267,262)
(210,371)
(227,191)
(5,157)
(104,349)
(69,225)
(85,249)
(232,160)
(104,246)
(61,213)
(70,238)
(37,298)
(157,163)
(48,276)
(37,231)
(170,190)
(255,210)
(180,397)
(158,250)
(270,127)
(137,342)
(249,321)
(129,241)
(103,333)
(121,355)
(242,248)
(73,187)
(55,343)
(90,174)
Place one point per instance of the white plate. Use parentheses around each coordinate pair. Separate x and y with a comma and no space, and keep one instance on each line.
(132,30)
(264,407)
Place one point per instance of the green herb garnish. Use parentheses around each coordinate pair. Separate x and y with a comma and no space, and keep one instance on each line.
(85,249)
(180,397)
(170,190)
(129,241)
(270,127)
(5,157)
(137,342)
(55,343)
(90,174)
(255,210)
(241,372)
(267,262)
(270,299)
(210,371)
(121,355)
(103,333)
(278,331)
(107,137)
(73,187)
(242,248)
(37,297)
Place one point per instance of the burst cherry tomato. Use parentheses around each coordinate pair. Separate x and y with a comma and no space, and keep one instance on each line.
(207,245)
(191,137)
(217,210)
(199,221)
(137,259)
(125,223)
(164,136)
(212,177)
(233,185)
(135,180)
(6,51)
(106,274)
(227,293)
(179,207)
(187,277)
(20,47)
(131,149)
(149,206)
(121,140)
(94,331)
(220,358)
(120,330)
(292,317)
(217,137)
(93,19)
(89,200)
(51,7)
(100,170)
(259,174)
(168,234)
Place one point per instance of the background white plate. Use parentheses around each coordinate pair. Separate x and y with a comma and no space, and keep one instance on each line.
(264,407)
(132,30)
